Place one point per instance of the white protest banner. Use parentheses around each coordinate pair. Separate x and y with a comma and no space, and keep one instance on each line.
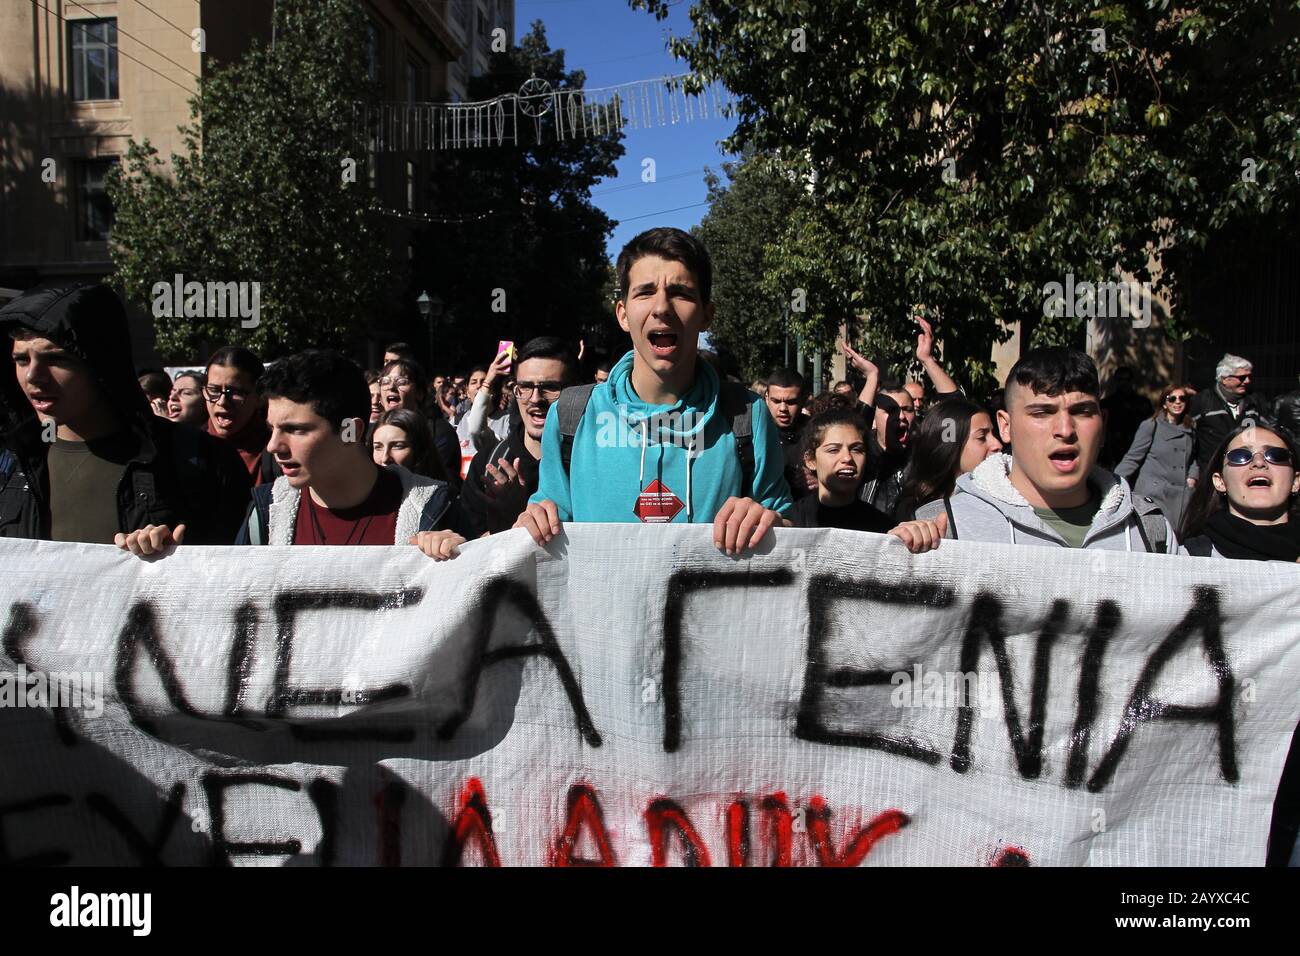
(633,696)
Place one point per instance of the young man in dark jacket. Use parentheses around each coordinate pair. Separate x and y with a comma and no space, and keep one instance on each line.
(503,475)
(785,400)
(85,458)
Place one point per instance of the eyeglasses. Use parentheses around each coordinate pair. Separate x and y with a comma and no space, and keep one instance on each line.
(1175,399)
(547,389)
(1241,378)
(1273,454)
(214,394)
(394,383)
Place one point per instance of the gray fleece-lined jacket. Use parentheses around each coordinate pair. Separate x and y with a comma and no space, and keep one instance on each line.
(987,507)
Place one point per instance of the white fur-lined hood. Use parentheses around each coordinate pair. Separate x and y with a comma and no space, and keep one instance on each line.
(991,480)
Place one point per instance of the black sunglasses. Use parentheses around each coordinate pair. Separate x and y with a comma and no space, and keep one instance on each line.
(1273,454)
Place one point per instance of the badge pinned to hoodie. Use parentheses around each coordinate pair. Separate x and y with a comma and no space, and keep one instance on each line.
(657,504)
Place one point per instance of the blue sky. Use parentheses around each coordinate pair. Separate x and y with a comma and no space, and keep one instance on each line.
(614,44)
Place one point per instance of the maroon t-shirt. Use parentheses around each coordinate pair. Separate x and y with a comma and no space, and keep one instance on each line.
(374,521)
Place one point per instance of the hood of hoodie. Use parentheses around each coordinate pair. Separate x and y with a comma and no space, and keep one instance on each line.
(991,482)
(673,424)
(89,321)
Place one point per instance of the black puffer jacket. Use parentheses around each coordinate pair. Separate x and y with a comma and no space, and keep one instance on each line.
(179,475)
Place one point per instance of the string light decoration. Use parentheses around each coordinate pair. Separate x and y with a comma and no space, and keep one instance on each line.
(538,113)
(425,217)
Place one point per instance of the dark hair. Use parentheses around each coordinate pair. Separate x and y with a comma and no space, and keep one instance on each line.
(400,349)
(199,377)
(155,384)
(1055,371)
(424,458)
(238,358)
(890,382)
(413,370)
(826,401)
(818,426)
(549,347)
(935,463)
(334,386)
(785,378)
(1206,499)
(372,376)
(673,244)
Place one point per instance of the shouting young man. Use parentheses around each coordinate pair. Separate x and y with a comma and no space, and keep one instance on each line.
(1049,491)
(664,439)
(504,474)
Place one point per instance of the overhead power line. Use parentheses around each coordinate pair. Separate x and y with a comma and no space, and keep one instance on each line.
(123,52)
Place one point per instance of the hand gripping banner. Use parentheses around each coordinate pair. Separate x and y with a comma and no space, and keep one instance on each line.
(633,697)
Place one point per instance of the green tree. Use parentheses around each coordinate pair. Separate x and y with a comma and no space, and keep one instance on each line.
(264,194)
(968,154)
(744,217)
(524,251)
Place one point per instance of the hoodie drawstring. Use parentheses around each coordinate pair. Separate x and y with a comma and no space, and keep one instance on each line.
(645,439)
(690,458)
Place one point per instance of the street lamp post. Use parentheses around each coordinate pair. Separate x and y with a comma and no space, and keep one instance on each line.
(430,310)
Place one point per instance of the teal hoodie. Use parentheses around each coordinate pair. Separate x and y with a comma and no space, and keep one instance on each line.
(655,463)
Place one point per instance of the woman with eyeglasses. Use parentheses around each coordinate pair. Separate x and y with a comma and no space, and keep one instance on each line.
(1248,508)
(1161,463)
(236,413)
(402,384)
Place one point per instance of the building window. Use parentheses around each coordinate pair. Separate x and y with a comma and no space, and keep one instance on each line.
(374,52)
(93,59)
(412,81)
(94,209)
(410,186)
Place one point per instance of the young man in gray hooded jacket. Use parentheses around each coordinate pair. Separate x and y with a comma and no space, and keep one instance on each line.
(1049,491)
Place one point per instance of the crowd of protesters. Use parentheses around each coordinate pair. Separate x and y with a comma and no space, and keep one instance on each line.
(312,449)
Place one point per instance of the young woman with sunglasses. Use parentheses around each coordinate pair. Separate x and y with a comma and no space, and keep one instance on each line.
(1161,463)
(1246,508)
